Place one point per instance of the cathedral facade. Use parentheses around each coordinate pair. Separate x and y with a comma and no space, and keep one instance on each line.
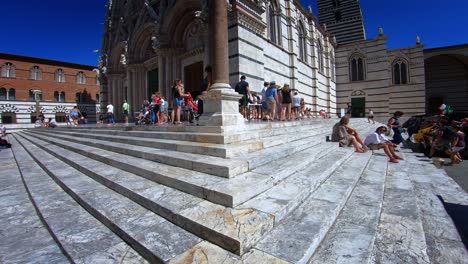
(370,76)
(148,44)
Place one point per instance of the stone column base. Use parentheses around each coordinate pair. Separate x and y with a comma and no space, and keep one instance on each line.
(221,107)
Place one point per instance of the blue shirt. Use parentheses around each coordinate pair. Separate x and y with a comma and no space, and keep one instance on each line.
(270,93)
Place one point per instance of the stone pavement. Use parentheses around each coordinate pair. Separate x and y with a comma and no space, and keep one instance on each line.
(274,193)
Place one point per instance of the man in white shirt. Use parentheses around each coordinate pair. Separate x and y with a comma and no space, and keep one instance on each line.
(263,101)
(377,140)
(110,113)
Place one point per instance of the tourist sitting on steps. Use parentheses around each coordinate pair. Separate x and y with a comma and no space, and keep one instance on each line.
(340,135)
(377,140)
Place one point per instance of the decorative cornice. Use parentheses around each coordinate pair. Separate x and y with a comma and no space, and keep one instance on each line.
(8,108)
(191,53)
(32,109)
(250,21)
(60,109)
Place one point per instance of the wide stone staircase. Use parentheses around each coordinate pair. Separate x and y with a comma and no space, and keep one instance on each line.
(266,193)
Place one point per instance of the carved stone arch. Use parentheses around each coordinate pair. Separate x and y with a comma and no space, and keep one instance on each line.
(140,46)
(115,56)
(193,36)
(179,16)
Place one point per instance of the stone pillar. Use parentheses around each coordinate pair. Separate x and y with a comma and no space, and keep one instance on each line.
(221,103)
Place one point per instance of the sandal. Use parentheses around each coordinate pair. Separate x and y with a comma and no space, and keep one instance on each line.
(398,157)
(394,161)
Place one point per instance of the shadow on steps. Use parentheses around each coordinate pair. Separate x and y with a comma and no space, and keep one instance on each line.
(459,215)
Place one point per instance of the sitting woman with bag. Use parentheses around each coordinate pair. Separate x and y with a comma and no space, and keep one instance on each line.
(340,134)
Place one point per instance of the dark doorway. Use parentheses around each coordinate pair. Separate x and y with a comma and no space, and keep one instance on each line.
(153,81)
(193,78)
(358,106)
(433,104)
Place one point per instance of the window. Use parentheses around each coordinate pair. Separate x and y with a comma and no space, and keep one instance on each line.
(336,3)
(302,43)
(321,66)
(62,97)
(78,97)
(3,94)
(35,73)
(274,22)
(332,67)
(338,16)
(59,97)
(80,78)
(8,70)
(32,97)
(400,72)
(59,76)
(11,94)
(60,117)
(7,95)
(356,66)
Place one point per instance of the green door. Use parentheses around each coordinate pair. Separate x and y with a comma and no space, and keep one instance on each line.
(358,107)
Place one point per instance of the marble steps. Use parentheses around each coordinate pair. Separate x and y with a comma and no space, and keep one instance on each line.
(199,163)
(209,149)
(82,237)
(279,151)
(298,235)
(351,239)
(432,186)
(24,238)
(400,237)
(286,195)
(152,236)
(209,187)
(215,138)
(239,230)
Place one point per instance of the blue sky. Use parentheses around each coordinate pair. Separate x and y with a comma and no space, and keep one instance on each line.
(71,30)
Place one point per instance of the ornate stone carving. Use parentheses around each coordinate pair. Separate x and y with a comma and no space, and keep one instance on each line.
(32,109)
(250,22)
(8,108)
(358,93)
(60,109)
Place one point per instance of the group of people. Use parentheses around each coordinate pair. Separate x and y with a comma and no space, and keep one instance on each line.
(345,135)
(276,102)
(443,136)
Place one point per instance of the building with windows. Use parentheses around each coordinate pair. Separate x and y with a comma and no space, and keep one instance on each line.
(149,44)
(59,86)
(368,74)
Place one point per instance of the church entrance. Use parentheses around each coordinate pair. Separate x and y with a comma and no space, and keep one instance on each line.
(153,81)
(358,107)
(193,78)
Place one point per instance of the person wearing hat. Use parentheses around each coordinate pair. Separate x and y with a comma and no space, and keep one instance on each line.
(271,97)
(242,88)
(286,101)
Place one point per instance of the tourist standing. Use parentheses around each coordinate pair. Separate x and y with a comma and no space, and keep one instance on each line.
(287,100)
(349,109)
(178,93)
(205,86)
(126,110)
(296,105)
(110,113)
(242,88)
(370,117)
(271,99)
(264,101)
(394,124)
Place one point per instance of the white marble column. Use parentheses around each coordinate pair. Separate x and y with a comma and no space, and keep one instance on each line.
(221,106)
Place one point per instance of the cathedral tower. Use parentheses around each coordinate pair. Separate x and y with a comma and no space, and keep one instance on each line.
(343,19)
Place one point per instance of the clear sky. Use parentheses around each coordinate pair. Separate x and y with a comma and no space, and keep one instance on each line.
(70,30)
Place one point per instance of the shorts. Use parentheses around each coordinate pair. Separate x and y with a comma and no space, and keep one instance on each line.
(178,102)
(264,106)
(125,113)
(295,108)
(243,101)
(373,146)
(457,149)
(370,117)
(271,104)
(155,108)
